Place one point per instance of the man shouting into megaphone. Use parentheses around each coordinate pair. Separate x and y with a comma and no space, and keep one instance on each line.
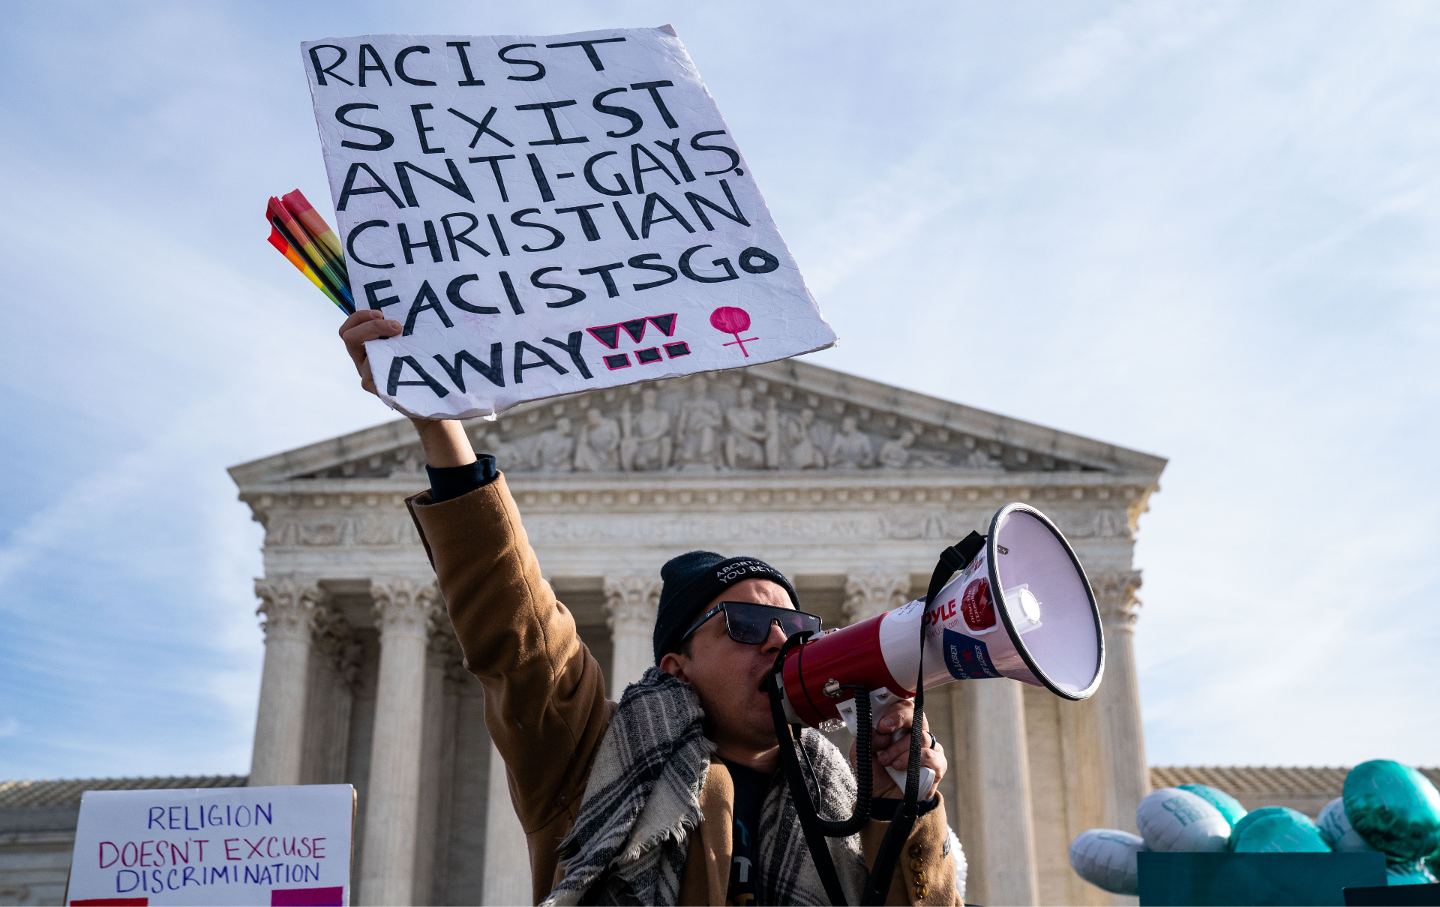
(674,794)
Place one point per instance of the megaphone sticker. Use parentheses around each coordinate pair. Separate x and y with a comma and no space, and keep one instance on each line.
(968,658)
(977,606)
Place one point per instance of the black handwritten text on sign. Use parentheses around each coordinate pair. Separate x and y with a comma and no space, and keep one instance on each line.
(547,215)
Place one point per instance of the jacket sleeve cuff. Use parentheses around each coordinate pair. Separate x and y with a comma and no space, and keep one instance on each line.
(925,872)
(883,809)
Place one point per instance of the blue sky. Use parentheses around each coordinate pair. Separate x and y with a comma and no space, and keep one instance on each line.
(1208,230)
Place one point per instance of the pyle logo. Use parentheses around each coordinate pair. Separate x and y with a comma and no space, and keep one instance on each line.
(942,614)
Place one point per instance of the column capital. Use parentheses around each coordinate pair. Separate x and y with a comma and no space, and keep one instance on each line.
(335,640)
(871,592)
(631,600)
(444,652)
(1116,594)
(287,606)
(404,605)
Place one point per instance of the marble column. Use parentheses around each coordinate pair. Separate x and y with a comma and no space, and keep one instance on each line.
(630,603)
(962,788)
(1084,781)
(404,610)
(1118,699)
(507,857)
(997,785)
(334,673)
(287,605)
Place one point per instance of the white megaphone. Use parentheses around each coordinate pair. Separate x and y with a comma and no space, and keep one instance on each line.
(1021,608)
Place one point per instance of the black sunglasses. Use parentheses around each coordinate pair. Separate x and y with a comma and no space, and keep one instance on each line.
(749,623)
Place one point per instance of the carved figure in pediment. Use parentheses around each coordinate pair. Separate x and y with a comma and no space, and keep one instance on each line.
(598,447)
(407,463)
(646,444)
(748,437)
(699,428)
(851,448)
(895,453)
(554,449)
(979,459)
(512,455)
(802,448)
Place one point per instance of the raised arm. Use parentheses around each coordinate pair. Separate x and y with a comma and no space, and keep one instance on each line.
(544,693)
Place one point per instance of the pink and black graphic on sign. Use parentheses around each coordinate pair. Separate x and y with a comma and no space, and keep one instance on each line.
(733,320)
(612,336)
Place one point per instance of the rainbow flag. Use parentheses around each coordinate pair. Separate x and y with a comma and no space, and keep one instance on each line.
(300,234)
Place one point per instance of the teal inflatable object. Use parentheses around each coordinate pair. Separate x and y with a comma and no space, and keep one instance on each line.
(1229,807)
(1414,873)
(1395,808)
(1251,817)
(1277,829)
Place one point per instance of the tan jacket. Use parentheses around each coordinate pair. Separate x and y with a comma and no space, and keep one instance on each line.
(546,710)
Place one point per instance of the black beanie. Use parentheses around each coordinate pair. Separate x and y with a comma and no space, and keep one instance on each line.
(692,580)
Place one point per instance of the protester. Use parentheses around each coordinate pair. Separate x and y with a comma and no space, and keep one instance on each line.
(673,795)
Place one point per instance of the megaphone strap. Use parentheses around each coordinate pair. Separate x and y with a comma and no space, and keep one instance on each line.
(953,559)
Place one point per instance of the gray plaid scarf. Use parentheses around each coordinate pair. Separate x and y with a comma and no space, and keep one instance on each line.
(642,801)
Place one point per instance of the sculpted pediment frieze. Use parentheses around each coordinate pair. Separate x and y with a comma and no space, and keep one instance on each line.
(728,422)
(779,417)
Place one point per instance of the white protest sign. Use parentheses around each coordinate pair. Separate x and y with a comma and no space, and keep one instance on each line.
(547,215)
(282,846)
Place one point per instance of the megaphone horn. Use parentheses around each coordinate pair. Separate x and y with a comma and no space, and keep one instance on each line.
(1021,608)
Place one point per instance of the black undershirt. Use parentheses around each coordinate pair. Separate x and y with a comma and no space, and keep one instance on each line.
(750,790)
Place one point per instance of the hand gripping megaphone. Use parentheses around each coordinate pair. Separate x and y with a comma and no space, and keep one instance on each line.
(1020,608)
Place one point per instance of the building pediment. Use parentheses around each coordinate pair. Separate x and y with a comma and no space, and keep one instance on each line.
(789,416)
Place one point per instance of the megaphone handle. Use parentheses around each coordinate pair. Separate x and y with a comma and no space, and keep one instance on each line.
(878,700)
(927,778)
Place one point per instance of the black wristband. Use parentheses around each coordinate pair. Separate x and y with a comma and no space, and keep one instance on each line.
(447,482)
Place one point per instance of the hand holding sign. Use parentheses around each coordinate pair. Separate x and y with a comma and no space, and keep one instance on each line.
(507,201)
(357,330)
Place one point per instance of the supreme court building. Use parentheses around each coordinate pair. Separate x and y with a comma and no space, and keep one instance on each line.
(849,486)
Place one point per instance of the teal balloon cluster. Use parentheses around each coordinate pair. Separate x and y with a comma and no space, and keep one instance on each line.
(1386,807)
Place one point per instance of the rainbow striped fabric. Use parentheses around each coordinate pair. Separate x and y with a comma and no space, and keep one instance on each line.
(300,234)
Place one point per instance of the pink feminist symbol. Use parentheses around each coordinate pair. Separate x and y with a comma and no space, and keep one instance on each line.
(733,320)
